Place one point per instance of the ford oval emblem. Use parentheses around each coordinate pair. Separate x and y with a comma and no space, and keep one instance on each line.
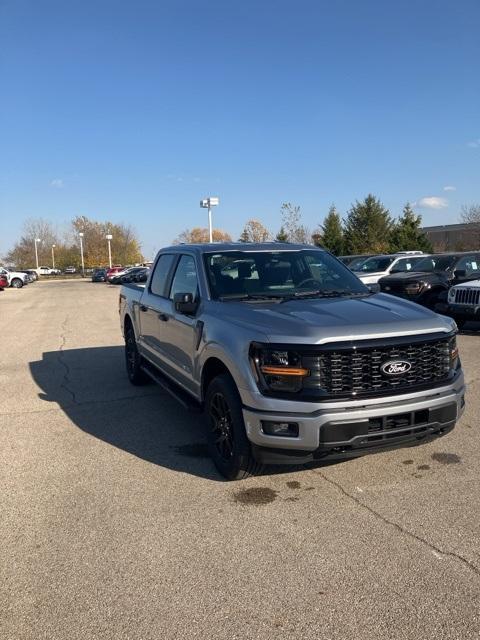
(396,367)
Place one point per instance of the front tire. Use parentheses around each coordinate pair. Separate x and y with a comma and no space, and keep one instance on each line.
(133,359)
(227,440)
(16,283)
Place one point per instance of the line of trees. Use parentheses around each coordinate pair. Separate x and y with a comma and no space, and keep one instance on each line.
(367,228)
(125,245)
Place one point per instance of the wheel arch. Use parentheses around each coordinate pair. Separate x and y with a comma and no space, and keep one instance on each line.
(212,368)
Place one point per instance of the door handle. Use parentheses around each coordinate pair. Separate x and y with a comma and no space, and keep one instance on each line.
(143,307)
(163,317)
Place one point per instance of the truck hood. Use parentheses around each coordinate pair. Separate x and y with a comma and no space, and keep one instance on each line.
(472,284)
(410,276)
(318,321)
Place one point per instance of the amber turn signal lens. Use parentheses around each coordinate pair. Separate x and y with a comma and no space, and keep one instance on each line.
(284,371)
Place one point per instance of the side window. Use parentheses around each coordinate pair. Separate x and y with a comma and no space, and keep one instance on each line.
(399,266)
(468,264)
(185,278)
(160,275)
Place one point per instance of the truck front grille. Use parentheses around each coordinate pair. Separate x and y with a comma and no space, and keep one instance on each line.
(357,371)
(467,296)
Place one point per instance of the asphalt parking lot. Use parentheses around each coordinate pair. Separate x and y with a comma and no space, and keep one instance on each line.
(115,524)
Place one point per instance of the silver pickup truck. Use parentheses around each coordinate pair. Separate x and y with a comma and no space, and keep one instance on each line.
(289,355)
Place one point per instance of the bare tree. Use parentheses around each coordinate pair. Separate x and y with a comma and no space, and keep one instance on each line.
(291,223)
(23,253)
(199,235)
(254,231)
(470,214)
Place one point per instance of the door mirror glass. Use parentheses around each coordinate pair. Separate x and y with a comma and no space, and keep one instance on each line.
(184,303)
(374,287)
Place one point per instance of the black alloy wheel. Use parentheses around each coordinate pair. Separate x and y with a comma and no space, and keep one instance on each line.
(221,425)
(227,439)
(133,359)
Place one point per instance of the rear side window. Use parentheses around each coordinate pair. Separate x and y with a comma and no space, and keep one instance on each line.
(159,281)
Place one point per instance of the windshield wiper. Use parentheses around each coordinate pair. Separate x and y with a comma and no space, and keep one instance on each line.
(320,293)
(249,296)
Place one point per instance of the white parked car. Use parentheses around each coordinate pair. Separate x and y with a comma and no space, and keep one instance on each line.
(46,271)
(377,267)
(16,279)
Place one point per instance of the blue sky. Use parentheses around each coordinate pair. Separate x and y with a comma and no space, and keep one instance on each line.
(136,110)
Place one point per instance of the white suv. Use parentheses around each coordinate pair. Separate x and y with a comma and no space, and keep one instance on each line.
(15,279)
(46,271)
(377,267)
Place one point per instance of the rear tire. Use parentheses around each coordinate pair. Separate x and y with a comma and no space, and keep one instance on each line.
(16,283)
(133,359)
(227,439)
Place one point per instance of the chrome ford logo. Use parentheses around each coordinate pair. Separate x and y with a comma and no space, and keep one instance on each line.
(396,367)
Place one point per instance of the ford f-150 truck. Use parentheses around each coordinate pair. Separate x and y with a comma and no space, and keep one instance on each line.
(289,355)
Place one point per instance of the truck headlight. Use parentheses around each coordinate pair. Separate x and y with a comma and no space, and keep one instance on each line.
(413,288)
(451,294)
(278,369)
(453,352)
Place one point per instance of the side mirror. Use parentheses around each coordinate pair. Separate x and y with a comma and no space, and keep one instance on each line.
(460,273)
(184,303)
(374,287)
(142,277)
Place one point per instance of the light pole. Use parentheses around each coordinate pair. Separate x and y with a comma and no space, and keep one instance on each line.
(208,203)
(109,237)
(36,250)
(81,253)
(53,256)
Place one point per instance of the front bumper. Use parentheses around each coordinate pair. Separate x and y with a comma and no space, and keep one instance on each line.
(467,311)
(342,430)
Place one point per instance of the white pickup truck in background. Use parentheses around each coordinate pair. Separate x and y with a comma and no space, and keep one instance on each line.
(16,279)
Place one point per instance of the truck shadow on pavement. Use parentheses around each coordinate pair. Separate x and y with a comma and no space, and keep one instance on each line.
(91,387)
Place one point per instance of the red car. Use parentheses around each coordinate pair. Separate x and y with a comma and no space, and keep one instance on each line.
(113,272)
(3,282)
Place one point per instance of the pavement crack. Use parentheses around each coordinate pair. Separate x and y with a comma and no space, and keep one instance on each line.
(433,548)
(66,379)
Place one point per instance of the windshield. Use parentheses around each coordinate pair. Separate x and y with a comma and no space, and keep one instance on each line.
(377,263)
(435,263)
(355,264)
(279,274)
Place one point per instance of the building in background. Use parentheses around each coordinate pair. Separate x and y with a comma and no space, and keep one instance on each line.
(454,237)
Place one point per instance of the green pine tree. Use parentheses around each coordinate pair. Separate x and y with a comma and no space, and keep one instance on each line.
(282,235)
(407,234)
(332,232)
(244,237)
(368,227)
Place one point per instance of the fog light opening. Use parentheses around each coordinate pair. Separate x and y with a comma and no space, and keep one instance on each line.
(284,429)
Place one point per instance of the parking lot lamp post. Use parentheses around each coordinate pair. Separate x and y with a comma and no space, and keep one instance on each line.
(81,253)
(208,203)
(36,250)
(53,256)
(109,237)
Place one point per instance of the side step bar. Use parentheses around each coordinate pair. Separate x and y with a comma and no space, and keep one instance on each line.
(180,396)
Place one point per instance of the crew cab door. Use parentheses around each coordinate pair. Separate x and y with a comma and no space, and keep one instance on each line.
(180,331)
(152,307)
